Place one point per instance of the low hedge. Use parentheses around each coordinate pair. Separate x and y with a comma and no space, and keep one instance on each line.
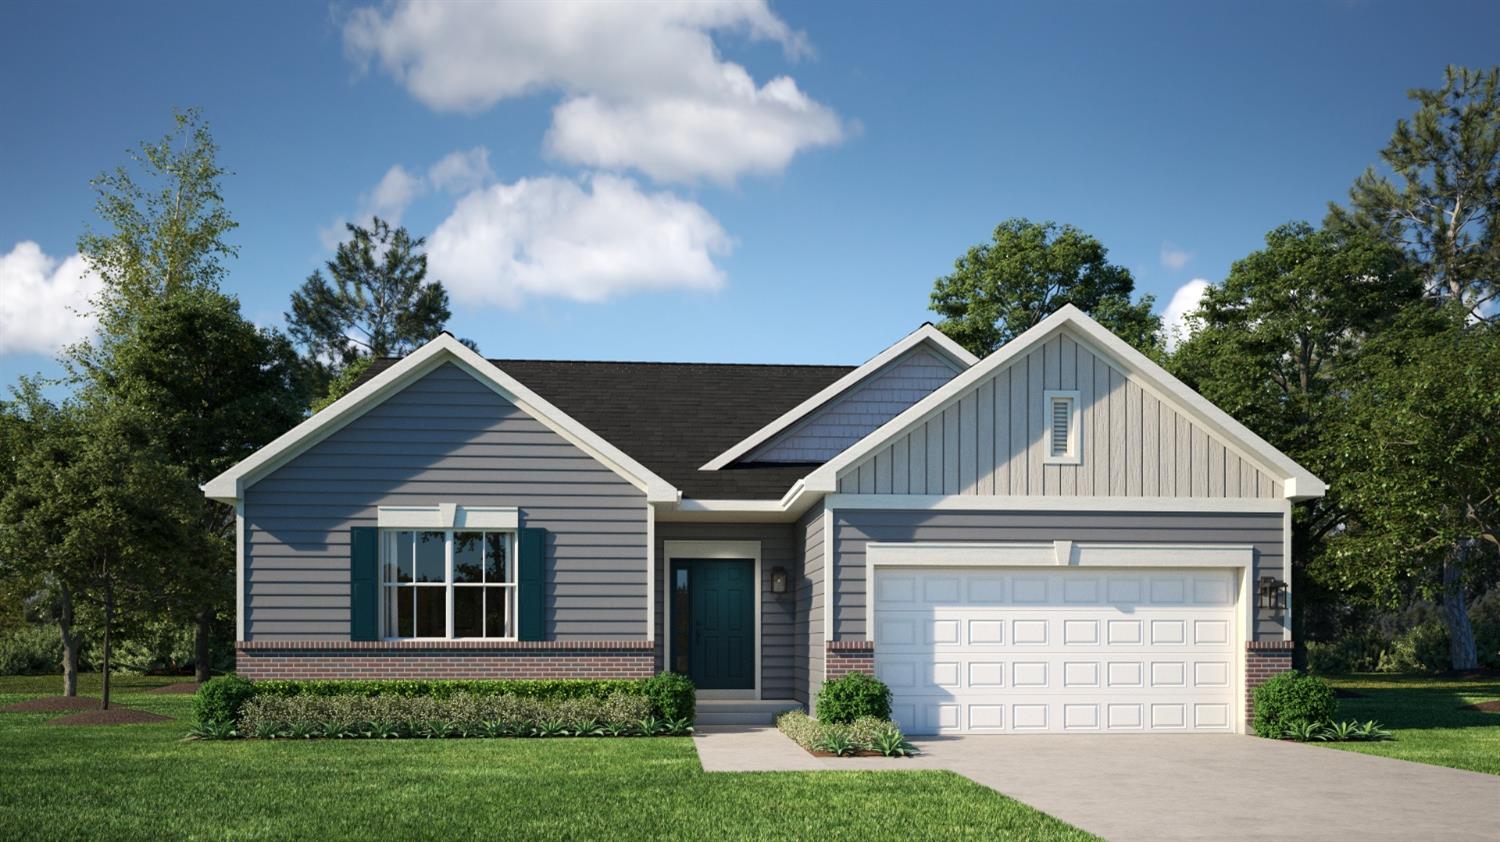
(671,696)
(867,733)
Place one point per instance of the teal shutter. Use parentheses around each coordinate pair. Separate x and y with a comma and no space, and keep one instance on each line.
(529,583)
(364,590)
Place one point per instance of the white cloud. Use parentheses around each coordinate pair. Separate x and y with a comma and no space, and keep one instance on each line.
(1173,257)
(584,241)
(1175,324)
(391,196)
(643,84)
(461,171)
(44,301)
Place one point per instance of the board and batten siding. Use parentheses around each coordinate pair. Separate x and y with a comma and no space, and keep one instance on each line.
(886,393)
(810,601)
(778,622)
(446,438)
(853,529)
(993,440)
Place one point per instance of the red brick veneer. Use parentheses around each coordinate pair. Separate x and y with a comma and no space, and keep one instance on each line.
(1263,659)
(445,659)
(841,657)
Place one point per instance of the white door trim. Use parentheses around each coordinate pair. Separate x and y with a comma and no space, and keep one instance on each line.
(1240,557)
(727,551)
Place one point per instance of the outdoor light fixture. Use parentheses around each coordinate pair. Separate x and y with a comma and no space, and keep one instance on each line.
(1272,593)
(778,580)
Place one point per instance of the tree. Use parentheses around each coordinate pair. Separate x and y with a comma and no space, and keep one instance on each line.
(1447,158)
(999,289)
(1269,341)
(215,388)
(379,303)
(1415,452)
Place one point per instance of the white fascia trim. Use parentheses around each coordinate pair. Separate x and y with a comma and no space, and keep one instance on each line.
(1058,554)
(231,484)
(940,502)
(447,516)
(1300,484)
(926,333)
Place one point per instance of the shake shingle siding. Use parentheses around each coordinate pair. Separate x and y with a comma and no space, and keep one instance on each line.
(445,439)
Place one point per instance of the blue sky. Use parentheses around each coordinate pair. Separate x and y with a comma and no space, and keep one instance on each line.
(728,183)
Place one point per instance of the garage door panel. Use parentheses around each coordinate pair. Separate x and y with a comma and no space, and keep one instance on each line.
(1084,660)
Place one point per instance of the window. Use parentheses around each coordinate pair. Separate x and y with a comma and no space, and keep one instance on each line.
(1063,446)
(448,584)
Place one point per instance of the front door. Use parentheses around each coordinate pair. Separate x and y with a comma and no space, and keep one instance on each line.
(713,622)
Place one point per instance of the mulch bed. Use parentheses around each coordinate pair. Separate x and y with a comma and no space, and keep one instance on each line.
(185,688)
(114,716)
(1487,707)
(51,704)
(1341,693)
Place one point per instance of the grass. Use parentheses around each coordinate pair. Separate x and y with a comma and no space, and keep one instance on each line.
(1427,717)
(145,782)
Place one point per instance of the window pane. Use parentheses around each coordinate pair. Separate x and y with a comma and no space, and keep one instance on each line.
(468,557)
(432,611)
(468,612)
(405,624)
(497,557)
(398,568)
(430,562)
(496,611)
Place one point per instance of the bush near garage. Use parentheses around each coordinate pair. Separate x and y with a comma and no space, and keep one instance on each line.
(1292,700)
(853,696)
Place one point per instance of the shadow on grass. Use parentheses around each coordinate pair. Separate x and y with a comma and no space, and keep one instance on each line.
(1418,701)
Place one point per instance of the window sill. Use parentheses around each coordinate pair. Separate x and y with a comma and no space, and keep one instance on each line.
(441,643)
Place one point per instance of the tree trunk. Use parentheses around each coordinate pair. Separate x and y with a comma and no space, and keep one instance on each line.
(70,642)
(1461,648)
(200,646)
(109,619)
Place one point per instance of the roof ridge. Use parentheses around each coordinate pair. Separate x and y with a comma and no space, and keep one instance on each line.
(498,360)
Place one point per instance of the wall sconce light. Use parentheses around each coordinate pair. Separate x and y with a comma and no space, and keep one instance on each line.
(1272,594)
(778,580)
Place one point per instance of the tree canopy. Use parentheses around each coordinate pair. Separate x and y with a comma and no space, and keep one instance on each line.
(1026,272)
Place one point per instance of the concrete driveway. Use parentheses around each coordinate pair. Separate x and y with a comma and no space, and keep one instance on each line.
(1160,787)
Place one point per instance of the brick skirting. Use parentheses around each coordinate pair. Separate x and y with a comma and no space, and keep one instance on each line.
(1263,659)
(841,657)
(445,659)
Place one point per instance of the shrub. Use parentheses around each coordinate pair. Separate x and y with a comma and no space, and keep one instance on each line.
(1423,648)
(864,734)
(1484,614)
(672,695)
(1290,700)
(854,695)
(562,688)
(456,715)
(31,650)
(220,699)
(1353,652)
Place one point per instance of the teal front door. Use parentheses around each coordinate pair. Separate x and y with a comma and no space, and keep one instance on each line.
(713,622)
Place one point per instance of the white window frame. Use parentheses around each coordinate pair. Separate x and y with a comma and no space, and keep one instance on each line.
(449,586)
(1074,454)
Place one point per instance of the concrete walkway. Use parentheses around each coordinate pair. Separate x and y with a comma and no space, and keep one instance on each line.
(1188,787)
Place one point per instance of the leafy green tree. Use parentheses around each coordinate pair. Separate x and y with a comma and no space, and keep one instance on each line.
(1414,451)
(1443,211)
(1029,269)
(379,302)
(1267,344)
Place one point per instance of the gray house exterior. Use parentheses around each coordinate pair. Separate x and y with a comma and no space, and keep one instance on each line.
(1058,537)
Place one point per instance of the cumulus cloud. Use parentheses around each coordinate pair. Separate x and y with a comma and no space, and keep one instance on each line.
(44,301)
(588,240)
(1173,257)
(392,194)
(461,171)
(1175,323)
(643,84)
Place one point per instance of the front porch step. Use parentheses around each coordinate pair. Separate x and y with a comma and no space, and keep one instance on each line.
(742,711)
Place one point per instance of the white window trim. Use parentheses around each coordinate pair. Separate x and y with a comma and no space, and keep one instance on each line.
(1074,454)
(447,516)
(1236,557)
(512,588)
(727,551)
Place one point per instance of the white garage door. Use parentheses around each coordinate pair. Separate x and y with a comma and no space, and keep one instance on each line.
(1023,650)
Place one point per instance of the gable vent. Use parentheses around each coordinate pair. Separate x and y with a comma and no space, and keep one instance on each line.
(1062,427)
(1060,413)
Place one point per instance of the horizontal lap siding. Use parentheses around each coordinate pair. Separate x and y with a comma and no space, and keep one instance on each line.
(445,439)
(777,615)
(854,529)
(810,606)
(859,411)
(993,440)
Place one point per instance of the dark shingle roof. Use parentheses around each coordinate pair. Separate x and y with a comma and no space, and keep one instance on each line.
(673,417)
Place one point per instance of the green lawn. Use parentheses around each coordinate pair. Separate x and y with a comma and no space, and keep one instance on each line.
(1427,718)
(145,782)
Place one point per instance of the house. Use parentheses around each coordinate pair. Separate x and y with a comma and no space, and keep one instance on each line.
(1058,537)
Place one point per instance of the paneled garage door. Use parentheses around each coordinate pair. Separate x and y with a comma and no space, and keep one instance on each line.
(1025,650)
